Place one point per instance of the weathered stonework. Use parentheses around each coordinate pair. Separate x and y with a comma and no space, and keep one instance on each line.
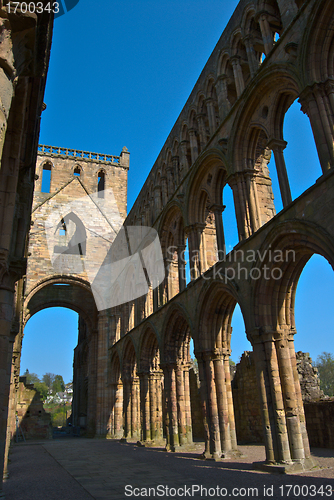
(34,421)
(132,363)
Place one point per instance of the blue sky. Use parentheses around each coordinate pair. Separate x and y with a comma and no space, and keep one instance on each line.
(120,73)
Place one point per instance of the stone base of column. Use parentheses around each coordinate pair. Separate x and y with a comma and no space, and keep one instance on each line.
(224,455)
(181,448)
(305,465)
(153,443)
(114,436)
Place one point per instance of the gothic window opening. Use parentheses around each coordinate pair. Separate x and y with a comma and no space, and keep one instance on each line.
(46,178)
(77,171)
(101,184)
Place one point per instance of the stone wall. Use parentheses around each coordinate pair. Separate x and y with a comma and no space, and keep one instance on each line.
(246,401)
(320,423)
(196,407)
(319,413)
(35,422)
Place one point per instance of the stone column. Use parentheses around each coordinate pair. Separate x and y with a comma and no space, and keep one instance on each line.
(204,401)
(211,115)
(194,252)
(277,147)
(285,438)
(127,382)
(200,229)
(238,76)
(157,201)
(299,397)
(187,403)
(92,383)
(181,267)
(102,373)
(223,405)
(145,407)
(252,61)
(164,193)
(184,164)
(202,130)
(236,181)
(118,412)
(228,386)
(193,145)
(267,34)
(135,408)
(170,181)
(215,443)
(172,432)
(312,104)
(173,275)
(224,104)
(176,170)
(218,210)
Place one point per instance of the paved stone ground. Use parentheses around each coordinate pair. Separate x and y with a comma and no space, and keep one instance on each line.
(85,469)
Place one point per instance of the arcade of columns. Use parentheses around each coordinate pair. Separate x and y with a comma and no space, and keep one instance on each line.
(131,365)
(271,53)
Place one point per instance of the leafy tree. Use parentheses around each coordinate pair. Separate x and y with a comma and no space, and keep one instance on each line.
(32,378)
(325,365)
(48,379)
(232,363)
(42,389)
(58,384)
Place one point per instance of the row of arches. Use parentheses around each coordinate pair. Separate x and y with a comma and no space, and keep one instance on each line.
(235,63)
(153,366)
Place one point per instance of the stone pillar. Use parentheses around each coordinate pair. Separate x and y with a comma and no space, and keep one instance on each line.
(145,407)
(202,130)
(164,193)
(223,405)
(170,181)
(135,408)
(285,437)
(233,435)
(157,201)
(210,105)
(218,210)
(237,183)
(176,170)
(238,76)
(173,277)
(181,267)
(267,34)
(204,401)
(215,443)
(159,406)
(224,104)
(312,100)
(187,403)
(193,145)
(194,252)
(92,382)
(118,413)
(172,430)
(251,57)
(184,163)
(181,410)
(277,147)
(102,403)
(127,407)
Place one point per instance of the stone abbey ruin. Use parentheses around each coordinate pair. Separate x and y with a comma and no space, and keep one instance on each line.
(133,376)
